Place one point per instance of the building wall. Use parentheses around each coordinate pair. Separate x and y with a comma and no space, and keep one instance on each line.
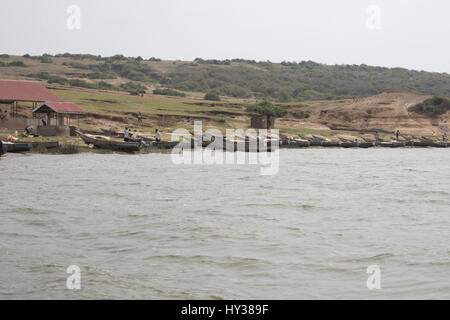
(51,131)
(263,122)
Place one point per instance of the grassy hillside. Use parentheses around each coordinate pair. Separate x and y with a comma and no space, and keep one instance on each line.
(110,91)
(288,81)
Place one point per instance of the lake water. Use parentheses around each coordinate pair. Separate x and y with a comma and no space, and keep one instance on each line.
(140,227)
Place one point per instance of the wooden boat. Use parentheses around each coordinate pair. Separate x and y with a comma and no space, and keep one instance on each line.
(423,143)
(103,142)
(294,144)
(17,146)
(315,143)
(354,144)
(3,148)
(331,144)
(366,145)
(163,144)
(440,144)
(391,144)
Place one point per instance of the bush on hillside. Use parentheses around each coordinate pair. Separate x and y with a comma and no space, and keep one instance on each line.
(432,107)
(212,96)
(169,92)
(266,108)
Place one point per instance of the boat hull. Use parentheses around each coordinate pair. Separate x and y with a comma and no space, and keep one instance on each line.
(110,145)
(391,144)
(349,144)
(295,145)
(17,146)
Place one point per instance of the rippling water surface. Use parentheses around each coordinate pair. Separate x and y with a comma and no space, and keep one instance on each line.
(140,227)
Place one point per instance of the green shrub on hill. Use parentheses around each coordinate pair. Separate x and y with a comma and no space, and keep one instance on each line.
(13,64)
(432,107)
(212,96)
(133,88)
(266,108)
(169,92)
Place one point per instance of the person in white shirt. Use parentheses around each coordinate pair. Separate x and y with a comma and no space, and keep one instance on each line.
(157,136)
(126,135)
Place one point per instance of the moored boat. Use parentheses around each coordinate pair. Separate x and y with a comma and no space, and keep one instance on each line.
(423,143)
(331,144)
(366,145)
(391,144)
(17,146)
(294,143)
(354,144)
(440,144)
(3,148)
(106,143)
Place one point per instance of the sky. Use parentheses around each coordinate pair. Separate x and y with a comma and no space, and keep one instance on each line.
(411,34)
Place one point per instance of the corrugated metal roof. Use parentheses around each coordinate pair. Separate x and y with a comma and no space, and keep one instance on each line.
(61,107)
(25,91)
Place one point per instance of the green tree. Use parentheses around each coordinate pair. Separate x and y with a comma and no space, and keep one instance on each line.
(212,96)
(266,108)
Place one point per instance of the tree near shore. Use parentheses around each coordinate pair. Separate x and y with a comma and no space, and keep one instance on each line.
(266,108)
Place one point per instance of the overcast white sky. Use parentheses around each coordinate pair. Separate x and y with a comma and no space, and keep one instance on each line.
(413,33)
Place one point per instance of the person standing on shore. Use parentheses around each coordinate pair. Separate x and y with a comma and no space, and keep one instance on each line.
(157,136)
(139,117)
(444,137)
(377,136)
(397,134)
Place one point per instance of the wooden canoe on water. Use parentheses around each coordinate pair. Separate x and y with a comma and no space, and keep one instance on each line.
(294,144)
(349,144)
(440,144)
(17,146)
(391,144)
(366,145)
(106,143)
(330,144)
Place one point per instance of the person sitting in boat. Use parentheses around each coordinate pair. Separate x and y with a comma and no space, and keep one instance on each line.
(134,136)
(125,132)
(157,136)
